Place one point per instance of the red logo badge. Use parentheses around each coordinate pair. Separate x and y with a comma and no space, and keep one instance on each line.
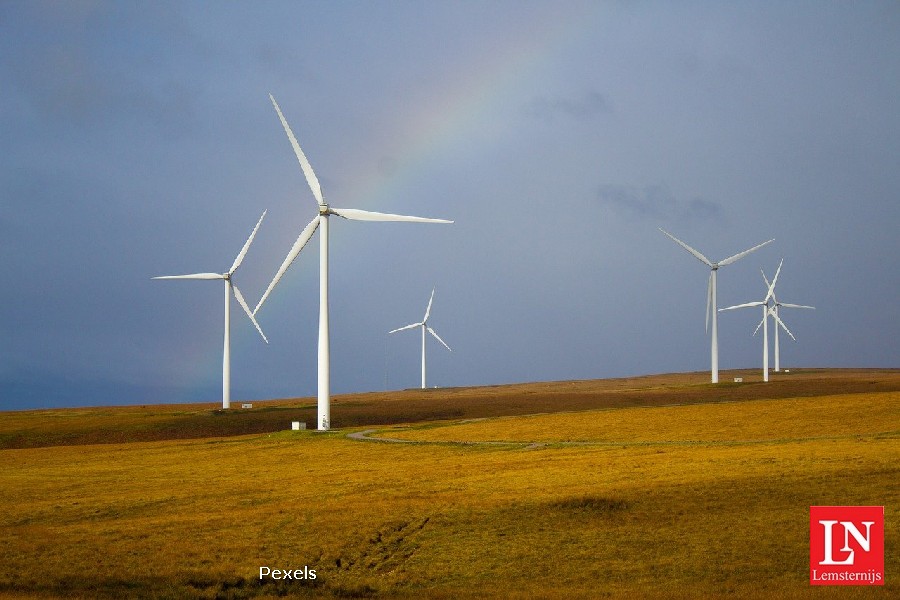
(846,545)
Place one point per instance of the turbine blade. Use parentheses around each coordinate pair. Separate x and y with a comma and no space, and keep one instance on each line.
(760,325)
(766,279)
(193,276)
(243,252)
(745,305)
(406,327)
(438,338)
(708,299)
(783,326)
(740,255)
(771,292)
(699,256)
(304,163)
(307,233)
(366,215)
(428,310)
(243,303)
(786,305)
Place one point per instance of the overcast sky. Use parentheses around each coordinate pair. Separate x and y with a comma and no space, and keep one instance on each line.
(137,139)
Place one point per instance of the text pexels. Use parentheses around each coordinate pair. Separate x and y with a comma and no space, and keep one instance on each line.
(297,574)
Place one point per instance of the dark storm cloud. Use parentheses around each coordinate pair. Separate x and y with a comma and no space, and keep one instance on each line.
(579,107)
(657,203)
(87,64)
(138,140)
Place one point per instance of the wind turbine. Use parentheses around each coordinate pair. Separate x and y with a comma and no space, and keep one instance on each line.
(424,326)
(229,289)
(321,221)
(765,322)
(711,295)
(773,310)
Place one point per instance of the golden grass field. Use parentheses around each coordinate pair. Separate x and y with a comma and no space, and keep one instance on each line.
(660,487)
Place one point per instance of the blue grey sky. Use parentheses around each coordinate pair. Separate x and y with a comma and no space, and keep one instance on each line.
(138,140)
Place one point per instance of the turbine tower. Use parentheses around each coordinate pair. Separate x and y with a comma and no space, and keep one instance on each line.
(773,310)
(711,295)
(230,288)
(424,326)
(764,303)
(321,221)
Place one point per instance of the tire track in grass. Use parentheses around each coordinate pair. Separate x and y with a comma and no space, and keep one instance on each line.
(366,436)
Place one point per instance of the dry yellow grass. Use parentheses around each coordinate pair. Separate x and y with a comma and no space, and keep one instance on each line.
(756,420)
(681,502)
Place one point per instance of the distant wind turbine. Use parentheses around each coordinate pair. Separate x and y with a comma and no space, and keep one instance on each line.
(764,323)
(773,310)
(424,325)
(230,288)
(711,295)
(321,220)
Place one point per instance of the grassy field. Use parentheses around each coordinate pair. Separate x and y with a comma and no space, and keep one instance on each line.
(661,487)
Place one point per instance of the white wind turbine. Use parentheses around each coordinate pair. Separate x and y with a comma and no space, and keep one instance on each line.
(711,295)
(321,220)
(773,310)
(229,289)
(764,323)
(424,326)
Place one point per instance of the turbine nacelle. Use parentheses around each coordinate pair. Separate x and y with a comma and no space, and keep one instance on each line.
(711,294)
(424,325)
(770,306)
(324,211)
(773,312)
(230,289)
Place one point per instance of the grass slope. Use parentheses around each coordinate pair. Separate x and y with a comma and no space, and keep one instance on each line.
(706,499)
(78,426)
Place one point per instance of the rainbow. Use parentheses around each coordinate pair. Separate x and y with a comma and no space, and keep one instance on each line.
(443,127)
